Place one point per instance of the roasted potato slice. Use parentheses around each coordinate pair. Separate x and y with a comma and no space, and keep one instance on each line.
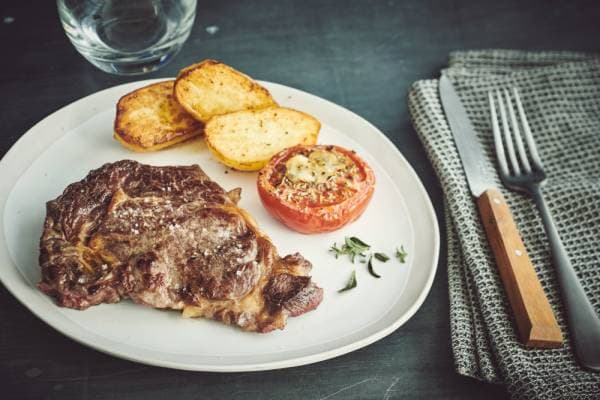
(246,140)
(151,119)
(212,88)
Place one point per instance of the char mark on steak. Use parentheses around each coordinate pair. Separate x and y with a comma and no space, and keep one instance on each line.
(168,237)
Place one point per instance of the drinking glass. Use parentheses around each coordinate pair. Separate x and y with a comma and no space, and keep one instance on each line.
(127,37)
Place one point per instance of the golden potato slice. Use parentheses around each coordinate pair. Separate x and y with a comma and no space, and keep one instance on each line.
(150,119)
(212,88)
(246,140)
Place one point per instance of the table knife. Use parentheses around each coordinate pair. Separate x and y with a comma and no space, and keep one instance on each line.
(536,324)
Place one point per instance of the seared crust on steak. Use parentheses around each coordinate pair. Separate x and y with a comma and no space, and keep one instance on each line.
(168,237)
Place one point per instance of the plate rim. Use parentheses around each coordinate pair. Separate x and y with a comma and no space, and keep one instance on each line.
(86,337)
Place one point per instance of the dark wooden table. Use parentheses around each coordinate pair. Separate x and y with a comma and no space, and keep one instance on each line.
(362,55)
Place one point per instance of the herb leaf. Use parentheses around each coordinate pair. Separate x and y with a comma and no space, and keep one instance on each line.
(401,254)
(336,250)
(370,268)
(352,246)
(356,242)
(351,283)
(381,257)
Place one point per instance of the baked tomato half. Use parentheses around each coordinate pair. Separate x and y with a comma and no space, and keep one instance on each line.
(316,188)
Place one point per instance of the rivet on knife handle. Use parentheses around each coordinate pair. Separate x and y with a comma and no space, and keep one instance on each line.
(535,320)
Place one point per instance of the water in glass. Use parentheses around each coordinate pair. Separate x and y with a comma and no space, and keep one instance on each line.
(127,37)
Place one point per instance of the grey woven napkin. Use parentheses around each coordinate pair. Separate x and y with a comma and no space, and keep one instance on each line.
(561,96)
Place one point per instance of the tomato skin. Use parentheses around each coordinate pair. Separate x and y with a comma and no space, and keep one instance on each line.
(315,219)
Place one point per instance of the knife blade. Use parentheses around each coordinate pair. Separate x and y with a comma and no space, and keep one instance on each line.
(469,147)
(535,320)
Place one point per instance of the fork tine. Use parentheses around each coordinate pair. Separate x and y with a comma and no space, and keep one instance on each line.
(500,155)
(535,158)
(517,134)
(507,136)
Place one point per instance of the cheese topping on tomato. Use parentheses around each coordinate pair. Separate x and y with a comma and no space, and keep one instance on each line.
(317,168)
(320,176)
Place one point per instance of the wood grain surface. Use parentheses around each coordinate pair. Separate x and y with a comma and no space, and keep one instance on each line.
(535,320)
(361,54)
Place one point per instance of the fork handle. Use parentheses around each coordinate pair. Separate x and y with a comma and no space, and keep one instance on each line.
(584,323)
(536,324)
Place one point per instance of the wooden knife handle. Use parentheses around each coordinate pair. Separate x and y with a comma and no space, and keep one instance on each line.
(535,320)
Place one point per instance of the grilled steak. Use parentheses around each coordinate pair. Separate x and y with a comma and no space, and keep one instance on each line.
(168,237)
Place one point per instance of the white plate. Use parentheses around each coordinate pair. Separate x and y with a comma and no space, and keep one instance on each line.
(63,147)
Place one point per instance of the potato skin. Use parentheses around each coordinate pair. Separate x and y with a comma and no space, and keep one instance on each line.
(150,119)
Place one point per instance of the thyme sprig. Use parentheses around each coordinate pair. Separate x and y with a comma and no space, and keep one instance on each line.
(401,254)
(352,246)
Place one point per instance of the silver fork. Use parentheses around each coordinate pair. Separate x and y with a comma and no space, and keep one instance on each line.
(524,172)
